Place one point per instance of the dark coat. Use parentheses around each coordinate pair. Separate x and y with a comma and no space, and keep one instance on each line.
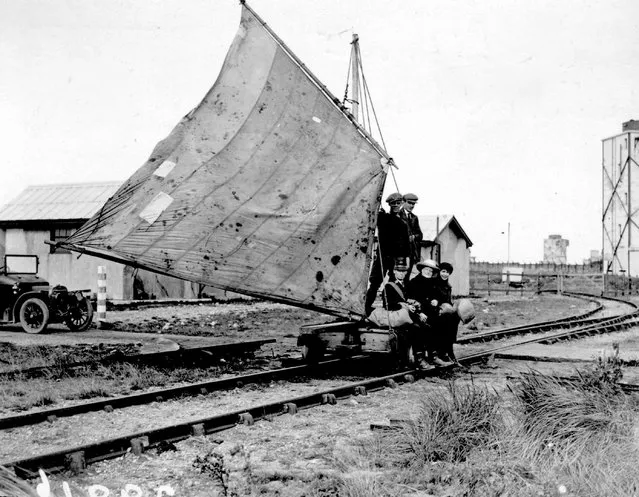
(422,290)
(442,291)
(394,295)
(393,235)
(414,229)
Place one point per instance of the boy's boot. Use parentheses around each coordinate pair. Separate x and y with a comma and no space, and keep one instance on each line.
(440,362)
(420,361)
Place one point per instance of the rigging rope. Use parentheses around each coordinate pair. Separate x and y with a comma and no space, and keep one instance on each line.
(348,73)
(367,104)
(367,108)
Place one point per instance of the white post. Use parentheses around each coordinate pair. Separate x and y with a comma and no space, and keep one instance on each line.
(102,295)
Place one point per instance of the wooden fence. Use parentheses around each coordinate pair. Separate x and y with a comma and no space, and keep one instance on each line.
(487,283)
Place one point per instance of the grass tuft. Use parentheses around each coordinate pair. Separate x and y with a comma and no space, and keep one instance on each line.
(12,486)
(582,431)
(449,427)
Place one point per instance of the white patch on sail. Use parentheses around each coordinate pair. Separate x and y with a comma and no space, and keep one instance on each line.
(165,168)
(156,207)
(317,119)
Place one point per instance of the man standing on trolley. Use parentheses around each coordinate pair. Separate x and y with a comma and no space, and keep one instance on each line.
(392,243)
(415,234)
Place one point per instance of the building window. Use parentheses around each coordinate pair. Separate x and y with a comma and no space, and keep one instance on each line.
(58,235)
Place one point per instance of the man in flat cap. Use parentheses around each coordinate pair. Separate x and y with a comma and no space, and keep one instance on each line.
(393,243)
(415,234)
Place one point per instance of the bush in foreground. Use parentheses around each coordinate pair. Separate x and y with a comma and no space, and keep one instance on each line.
(551,437)
(581,431)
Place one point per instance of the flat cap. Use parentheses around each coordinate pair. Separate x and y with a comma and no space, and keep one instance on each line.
(411,196)
(393,197)
(401,264)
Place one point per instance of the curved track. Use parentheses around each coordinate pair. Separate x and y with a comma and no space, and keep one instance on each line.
(76,458)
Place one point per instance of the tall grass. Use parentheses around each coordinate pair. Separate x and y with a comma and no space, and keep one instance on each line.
(543,436)
(449,427)
(429,452)
(582,432)
(12,486)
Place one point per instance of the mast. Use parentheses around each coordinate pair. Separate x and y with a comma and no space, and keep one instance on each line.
(380,148)
(355,77)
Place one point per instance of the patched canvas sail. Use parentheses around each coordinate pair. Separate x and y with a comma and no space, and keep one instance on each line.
(266,188)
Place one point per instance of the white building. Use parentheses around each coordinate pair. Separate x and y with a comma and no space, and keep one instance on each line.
(446,241)
(53,212)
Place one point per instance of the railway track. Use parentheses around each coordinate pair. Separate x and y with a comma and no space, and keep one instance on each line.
(206,387)
(78,457)
(182,355)
(540,327)
(161,395)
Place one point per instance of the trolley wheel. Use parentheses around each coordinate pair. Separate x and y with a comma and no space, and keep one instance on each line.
(313,352)
(34,315)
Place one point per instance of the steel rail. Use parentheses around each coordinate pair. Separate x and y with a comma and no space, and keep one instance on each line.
(578,320)
(154,357)
(194,389)
(77,458)
(627,388)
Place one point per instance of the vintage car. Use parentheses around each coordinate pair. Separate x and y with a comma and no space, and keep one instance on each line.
(27,299)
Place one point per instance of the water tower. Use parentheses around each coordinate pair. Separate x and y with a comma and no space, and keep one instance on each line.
(620,219)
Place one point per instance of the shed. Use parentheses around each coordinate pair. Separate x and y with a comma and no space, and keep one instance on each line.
(53,212)
(446,241)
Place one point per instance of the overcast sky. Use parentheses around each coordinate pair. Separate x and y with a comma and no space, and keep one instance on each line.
(493,110)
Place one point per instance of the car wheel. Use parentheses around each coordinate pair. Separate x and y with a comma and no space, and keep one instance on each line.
(34,315)
(81,316)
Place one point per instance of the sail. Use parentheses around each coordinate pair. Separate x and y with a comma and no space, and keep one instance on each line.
(266,188)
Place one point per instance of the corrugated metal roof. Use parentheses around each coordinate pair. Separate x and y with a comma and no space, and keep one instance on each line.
(63,201)
(430,225)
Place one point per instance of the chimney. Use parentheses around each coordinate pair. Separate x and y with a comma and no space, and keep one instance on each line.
(631,125)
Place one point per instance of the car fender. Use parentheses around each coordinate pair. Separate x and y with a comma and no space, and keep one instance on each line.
(27,295)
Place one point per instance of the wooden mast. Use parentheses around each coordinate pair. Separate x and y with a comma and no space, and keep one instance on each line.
(355,77)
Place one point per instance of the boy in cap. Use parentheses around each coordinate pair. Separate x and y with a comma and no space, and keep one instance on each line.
(393,243)
(415,234)
(401,314)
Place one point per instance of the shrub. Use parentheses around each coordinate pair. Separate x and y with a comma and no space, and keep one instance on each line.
(449,427)
(606,372)
(581,431)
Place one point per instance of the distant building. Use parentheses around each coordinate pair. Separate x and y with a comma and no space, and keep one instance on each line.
(52,213)
(595,257)
(555,249)
(620,195)
(446,241)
